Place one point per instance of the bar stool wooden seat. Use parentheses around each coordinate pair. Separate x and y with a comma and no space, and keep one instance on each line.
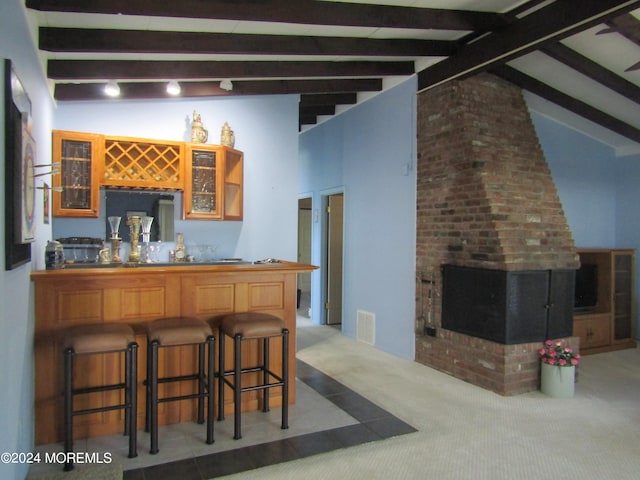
(176,332)
(243,327)
(96,339)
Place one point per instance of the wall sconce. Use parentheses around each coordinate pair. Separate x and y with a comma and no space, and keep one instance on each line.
(173,88)
(226,85)
(112,89)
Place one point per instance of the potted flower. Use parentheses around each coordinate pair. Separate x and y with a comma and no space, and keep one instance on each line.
(557,370)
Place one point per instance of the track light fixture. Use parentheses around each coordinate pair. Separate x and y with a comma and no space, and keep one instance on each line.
(226,85)
(112,89)
(173,88)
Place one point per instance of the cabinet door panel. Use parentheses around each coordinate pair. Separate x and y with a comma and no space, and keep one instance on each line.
(76,187)
(623,286)
(203,189)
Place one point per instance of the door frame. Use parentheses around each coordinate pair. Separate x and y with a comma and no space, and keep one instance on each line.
(324,201)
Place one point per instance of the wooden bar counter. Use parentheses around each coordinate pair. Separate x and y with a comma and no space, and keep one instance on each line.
(136,295)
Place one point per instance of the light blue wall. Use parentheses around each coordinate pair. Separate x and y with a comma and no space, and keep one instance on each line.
(266,130)
(584,172)
(599,191)
(369,153)
(16,290)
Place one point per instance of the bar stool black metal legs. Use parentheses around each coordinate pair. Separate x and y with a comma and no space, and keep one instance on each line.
(93,340)
(259,327)
(176,332)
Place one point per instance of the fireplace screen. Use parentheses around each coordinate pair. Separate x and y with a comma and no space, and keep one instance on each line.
(508,307)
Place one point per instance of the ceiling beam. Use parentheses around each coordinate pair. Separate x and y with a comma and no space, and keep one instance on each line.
(141,70)
(145,41)
(590,69)
(151,90)
(567,102)
(286,11)
(317,110)
(328,99)
(554,22)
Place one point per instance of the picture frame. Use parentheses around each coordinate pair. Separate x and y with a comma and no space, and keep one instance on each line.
(17,111)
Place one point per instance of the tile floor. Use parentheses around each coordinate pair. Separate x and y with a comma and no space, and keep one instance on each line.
(327,416)
(367,423)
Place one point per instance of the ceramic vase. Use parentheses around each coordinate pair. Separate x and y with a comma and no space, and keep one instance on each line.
(557,382)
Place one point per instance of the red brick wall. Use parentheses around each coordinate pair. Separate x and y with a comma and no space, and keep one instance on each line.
(486,199)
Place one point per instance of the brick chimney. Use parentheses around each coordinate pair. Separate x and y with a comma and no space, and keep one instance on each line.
(492,232)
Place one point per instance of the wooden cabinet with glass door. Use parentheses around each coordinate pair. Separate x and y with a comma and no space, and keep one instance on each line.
(213,189)
(76,188)
(605,293)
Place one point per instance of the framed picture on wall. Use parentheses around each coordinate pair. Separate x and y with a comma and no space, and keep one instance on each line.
(17,109)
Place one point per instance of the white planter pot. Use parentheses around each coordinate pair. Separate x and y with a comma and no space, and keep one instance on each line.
(557,382)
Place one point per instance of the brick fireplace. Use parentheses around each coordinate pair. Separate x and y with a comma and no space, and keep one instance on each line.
(492,232)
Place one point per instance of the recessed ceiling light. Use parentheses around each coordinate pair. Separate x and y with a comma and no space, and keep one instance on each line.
(226,85)
(173,88)
(112,88)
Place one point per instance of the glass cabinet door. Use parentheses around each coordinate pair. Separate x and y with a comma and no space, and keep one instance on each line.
(76,190)
(202,197)
(623,295)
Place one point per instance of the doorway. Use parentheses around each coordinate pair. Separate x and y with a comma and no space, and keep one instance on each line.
(334,255)
(304,255)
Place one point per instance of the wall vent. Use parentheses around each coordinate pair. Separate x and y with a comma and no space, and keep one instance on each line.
(366,327)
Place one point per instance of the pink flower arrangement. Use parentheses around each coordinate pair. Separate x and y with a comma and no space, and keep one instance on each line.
(558,353)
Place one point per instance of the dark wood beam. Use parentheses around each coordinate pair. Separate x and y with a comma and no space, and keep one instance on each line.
(590,69)
(150,90)
(307,120)
(287,11)
(317,110)
(552,23)
(146,41)
(566,101)
(328,99)
(141,70)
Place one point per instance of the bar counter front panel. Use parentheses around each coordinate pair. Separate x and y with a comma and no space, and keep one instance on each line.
(138,295)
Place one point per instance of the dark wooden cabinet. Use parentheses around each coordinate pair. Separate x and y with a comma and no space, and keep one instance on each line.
(608,324)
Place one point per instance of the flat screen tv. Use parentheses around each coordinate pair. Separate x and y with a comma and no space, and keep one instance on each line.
(586,288)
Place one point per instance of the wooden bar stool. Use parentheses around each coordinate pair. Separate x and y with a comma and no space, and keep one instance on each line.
(177,332)
(94,340)
(260,327)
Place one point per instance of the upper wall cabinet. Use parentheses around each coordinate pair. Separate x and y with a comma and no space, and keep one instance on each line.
(76,187)
(213,188)
(233,179)
(142,163)
(210,175)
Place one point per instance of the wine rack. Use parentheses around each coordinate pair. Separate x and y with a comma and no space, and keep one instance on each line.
(139,163)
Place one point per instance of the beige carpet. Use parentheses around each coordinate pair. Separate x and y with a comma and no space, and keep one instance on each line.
(466,432)
(112,471)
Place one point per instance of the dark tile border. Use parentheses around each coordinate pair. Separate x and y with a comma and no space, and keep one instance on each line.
(375,424)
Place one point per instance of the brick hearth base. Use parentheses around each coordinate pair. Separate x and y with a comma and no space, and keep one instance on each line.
(504,369)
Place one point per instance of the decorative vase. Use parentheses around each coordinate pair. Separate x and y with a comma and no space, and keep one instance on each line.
(556,381)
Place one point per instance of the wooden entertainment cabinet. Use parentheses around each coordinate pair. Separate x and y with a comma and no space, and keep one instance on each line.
(609,325)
